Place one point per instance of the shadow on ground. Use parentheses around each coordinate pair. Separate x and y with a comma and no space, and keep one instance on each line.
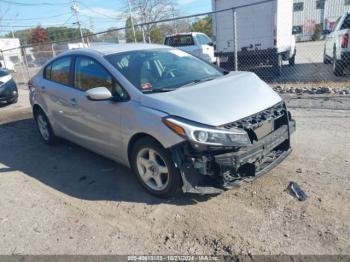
(71,169)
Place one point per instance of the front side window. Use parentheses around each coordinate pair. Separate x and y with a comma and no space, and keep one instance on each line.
(162,69)
(60,70)
(298,7)
(179,40)
(90,74)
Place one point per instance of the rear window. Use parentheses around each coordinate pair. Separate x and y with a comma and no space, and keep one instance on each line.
(179,40)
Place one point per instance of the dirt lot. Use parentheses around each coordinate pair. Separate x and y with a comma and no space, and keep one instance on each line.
(67,200)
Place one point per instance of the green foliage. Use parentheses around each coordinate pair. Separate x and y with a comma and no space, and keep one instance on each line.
(204,25)
(157,36)
(317,33)
(54,34)
(129,35)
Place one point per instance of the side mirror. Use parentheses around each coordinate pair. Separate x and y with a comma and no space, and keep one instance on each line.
(211,43)
(98,94)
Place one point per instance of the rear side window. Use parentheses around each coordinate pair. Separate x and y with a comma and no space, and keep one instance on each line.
(179,40)
(60,70)
(90,74)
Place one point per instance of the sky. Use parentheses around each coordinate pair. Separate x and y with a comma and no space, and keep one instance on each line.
(98,15)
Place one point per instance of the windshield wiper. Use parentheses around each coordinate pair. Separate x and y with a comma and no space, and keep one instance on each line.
(159,90)
(197,81)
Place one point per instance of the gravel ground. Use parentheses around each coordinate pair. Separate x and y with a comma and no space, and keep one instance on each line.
(67,200)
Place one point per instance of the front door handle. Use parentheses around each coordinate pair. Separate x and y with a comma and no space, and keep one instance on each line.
(73,101)
(43,88)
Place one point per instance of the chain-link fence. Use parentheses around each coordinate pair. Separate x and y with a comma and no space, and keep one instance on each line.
(246,36)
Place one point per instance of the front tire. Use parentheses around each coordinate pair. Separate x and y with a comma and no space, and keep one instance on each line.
(12,101)
(44,127)
(154,168)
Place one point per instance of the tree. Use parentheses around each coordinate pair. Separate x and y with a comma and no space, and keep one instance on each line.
(129,34)
(204,25)
(55,34)
(317,33)
(39,35)
(113,36)
(149,11)
(156,36)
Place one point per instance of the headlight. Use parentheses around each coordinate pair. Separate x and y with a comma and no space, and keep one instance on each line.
(207,135)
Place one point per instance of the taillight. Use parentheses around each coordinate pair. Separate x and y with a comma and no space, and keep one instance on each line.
(345,40)
(275,41)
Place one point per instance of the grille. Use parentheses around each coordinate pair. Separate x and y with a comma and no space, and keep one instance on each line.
(257,120)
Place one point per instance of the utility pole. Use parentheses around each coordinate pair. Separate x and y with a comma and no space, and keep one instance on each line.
(75,10)
(132,21)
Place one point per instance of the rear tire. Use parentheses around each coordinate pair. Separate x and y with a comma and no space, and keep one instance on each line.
(44,127)
(154,168)
(326,60)
(338,67)
(291,60)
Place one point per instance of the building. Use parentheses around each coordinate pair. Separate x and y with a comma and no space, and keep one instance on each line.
(308,14)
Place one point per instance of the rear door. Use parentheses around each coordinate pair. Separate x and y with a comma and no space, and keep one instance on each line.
(54,92)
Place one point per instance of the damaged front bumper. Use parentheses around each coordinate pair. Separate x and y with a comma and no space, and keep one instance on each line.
(213,171)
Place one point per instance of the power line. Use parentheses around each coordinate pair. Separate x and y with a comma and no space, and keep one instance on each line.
(32,18)
(32,4)
(95,11)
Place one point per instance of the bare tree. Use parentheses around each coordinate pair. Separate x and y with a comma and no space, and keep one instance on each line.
(148,11)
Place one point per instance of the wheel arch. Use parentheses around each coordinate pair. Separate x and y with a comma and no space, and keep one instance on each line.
(136,137)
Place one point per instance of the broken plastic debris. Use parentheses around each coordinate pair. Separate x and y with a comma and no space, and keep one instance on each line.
(297,191)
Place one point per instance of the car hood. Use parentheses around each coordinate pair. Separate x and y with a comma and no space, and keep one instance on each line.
(217,102)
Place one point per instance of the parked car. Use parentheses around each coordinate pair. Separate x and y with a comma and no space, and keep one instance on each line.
(197,44)
(337,48)
(176,120)
(8,87)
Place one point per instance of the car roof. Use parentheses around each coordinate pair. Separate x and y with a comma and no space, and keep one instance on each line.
(107,49)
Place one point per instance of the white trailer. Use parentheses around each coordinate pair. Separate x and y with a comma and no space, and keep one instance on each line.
(263,30)
(10,53)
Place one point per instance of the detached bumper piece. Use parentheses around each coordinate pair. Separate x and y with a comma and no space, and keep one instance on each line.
(212,171)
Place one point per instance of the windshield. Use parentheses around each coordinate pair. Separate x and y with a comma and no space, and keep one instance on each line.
(162,69)
(3,72)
